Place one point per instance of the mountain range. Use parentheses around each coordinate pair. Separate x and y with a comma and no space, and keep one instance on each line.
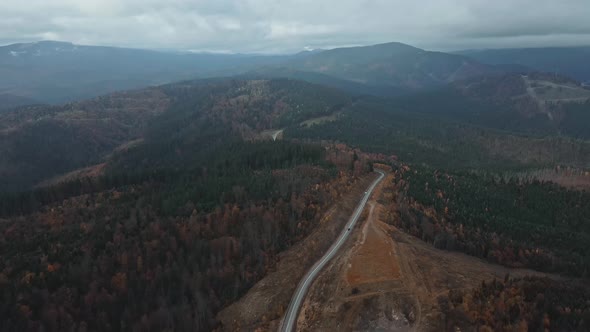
(392,64)
(54,72)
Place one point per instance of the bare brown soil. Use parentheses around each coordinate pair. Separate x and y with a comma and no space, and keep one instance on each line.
(376,259)
(570,178)
(576,182)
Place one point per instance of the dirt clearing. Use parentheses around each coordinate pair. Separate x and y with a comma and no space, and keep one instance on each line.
(320,120)
(375,260)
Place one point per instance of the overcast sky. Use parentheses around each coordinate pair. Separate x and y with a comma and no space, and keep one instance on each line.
(279,26)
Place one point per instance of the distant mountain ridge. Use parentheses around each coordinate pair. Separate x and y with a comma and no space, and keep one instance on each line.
(41,48)
(56,72)
(392,64)
(352,87)
(8,101)
(569,61)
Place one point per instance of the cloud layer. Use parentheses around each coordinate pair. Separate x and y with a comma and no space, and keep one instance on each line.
(276,26)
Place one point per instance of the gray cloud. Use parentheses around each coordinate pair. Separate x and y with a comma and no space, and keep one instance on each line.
(291,25)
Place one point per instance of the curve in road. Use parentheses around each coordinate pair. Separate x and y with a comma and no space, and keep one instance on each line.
(288,323)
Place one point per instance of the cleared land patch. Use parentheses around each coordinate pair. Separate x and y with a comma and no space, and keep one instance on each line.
(375,260)
(320,120)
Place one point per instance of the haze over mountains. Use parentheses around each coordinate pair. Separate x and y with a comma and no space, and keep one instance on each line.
(54,72)
(392,64)
(568,61)
(8,101)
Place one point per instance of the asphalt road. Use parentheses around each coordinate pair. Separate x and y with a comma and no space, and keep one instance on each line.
(289,321)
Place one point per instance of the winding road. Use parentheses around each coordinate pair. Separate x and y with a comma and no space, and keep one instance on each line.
(289,321)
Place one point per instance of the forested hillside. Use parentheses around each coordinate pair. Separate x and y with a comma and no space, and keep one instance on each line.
(512,222)
(537,104)
(528,304)
(441,141)
(169,250)
(39,142)
(182,221)
(181,123)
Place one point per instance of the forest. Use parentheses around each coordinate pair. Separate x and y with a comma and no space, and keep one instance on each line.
(518,304)
(171,126)
(167,250)
(513,222)
(191,209)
